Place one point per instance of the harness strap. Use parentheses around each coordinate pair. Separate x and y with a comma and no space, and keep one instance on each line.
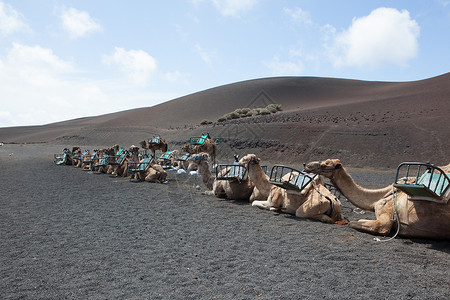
(329,212)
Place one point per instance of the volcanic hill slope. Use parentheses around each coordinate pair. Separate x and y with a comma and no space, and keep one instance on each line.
(365,124)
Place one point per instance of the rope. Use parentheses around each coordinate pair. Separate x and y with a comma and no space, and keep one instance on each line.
(394,197)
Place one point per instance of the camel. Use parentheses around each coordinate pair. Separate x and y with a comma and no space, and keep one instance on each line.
(209,146)
(155,173)
(65,158)
(76,156)
(89,159)
(157,143)
(222,188)
(416,219)
(183,161)
(132,156)
(315,201)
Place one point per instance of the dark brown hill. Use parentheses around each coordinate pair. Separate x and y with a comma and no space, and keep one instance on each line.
(376,124)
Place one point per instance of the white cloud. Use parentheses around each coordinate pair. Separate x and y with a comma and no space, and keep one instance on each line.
(299,15)
(37,57)
(234,8)
(39,87)
(284,68)
(79,23)
(385,36)
(138,65)
(206,55)
(10,20)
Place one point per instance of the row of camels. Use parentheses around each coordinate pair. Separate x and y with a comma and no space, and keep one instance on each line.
(394,209)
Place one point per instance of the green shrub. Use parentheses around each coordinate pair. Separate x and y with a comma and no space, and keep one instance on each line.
(253,112)
(244,111)
(273,108)
(233,115)
(205,122)
(248,112)
(264,111)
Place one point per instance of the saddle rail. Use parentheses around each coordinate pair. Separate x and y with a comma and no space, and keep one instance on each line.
(117,159)
(232,172)
(185,157)
(165,160)
(104,161)
(423,181)
(199,140)
(143,154)
(138,167)
(60,158)
(154,140)
(290,178)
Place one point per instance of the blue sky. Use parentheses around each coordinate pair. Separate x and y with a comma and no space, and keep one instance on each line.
(61,60)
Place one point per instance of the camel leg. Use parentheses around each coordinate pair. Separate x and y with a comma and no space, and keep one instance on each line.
(261,204)
(383,224)
(314,208)
(300,213)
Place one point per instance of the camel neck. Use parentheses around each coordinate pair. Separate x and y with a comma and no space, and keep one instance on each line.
(258,177)
(356,194)
(203,169)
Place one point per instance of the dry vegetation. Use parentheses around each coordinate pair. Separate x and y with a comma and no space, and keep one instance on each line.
(250,112)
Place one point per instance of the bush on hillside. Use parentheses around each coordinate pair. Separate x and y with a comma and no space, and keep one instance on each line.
(250,112)
(205,122)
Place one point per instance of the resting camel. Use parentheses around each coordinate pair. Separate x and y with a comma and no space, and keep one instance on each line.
(132,156)
(155,173)
(161,145)
(222,188)
(311,202)
(419,219)
(76,156)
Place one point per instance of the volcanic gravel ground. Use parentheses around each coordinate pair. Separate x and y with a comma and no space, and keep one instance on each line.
(68,233)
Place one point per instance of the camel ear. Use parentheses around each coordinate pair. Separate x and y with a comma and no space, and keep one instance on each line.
(337,164)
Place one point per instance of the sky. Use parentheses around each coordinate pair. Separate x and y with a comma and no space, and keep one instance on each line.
(61,60)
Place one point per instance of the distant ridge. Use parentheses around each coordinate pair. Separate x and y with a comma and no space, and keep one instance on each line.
(324,105)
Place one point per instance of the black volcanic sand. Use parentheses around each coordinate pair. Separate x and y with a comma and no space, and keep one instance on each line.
(67,233)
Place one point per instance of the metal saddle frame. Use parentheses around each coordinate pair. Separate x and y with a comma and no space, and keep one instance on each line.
(230,172)
(297,180)
(423,181)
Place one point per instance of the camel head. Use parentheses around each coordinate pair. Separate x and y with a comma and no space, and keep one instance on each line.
(134,149)
(197,158)
(249,159)
(325,168)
